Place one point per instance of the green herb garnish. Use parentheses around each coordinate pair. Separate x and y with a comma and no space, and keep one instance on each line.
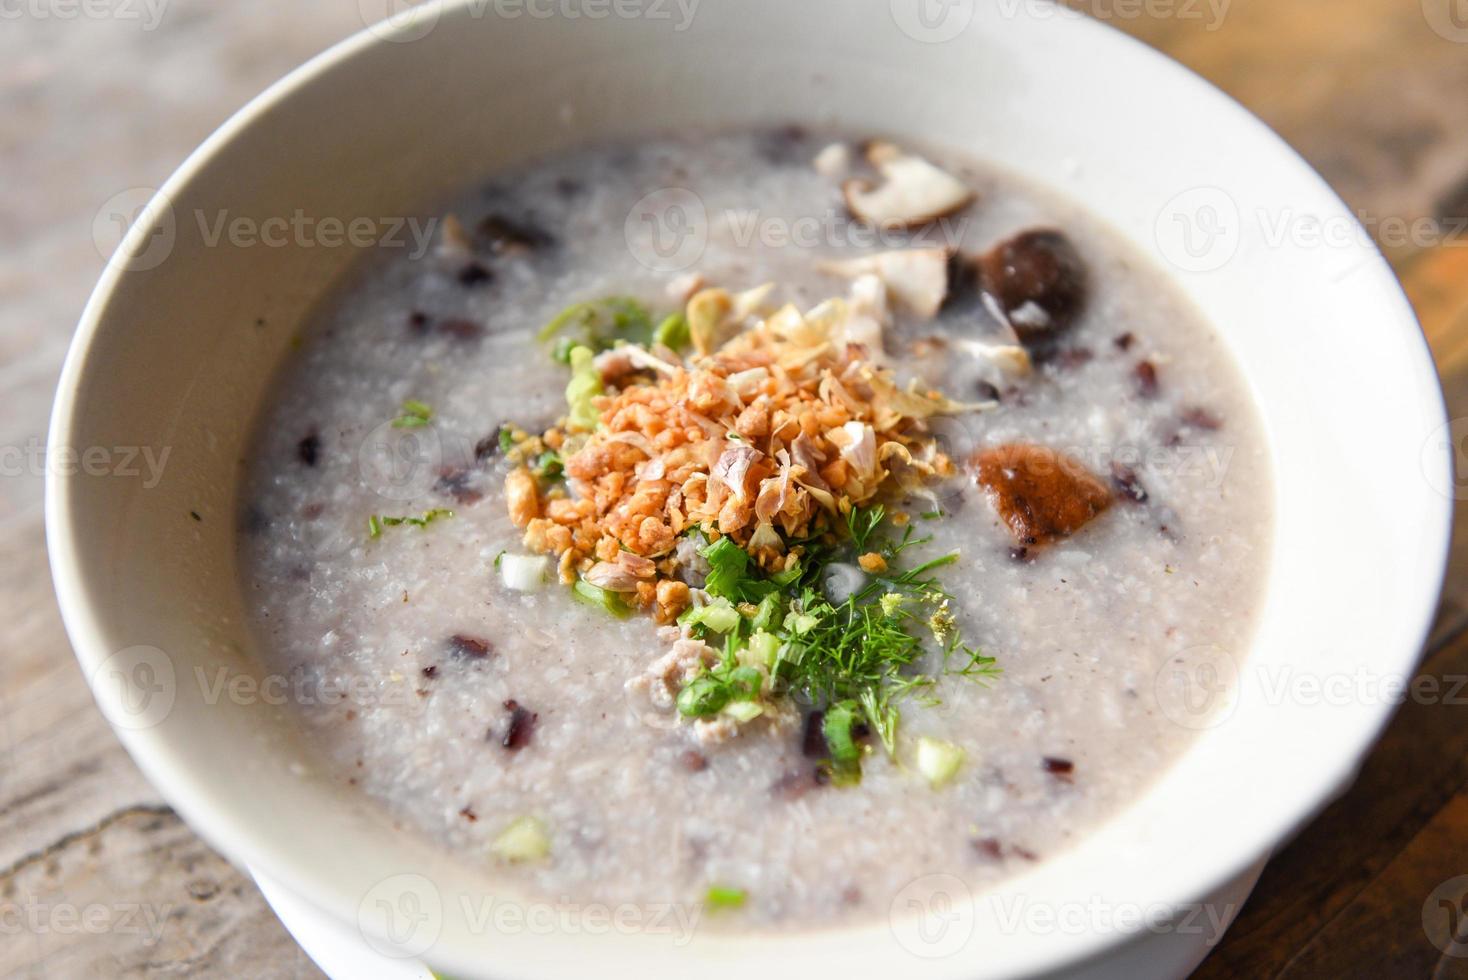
(673,332)
(415,415)
(857,659)
(595,595)
(599,324)
(549,467)
(585,384)
(375,524)
(721,897)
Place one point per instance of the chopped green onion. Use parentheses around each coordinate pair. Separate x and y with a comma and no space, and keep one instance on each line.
(768,613)
(507,439)
(938,760)
(523,840)
(561,353)
(522,573)
(549,466)
(799,622)
(375,524)
(673,333)
(595,595)
(745,683)
(718,615)
(743,711)
(837,728)
(720,897)
(702,696)
(764,647)
(600,323)
(585,384)
(415,415)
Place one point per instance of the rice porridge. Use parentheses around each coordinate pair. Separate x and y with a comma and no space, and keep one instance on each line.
(762,520)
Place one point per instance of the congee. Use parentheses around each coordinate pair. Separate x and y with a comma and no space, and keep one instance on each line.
(756,520)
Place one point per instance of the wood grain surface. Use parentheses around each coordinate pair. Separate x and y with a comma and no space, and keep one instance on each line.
(98,878)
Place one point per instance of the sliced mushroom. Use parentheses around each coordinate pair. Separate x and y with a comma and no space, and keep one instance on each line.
(913,192)
(1039,493)
(1036,282)
(916,278)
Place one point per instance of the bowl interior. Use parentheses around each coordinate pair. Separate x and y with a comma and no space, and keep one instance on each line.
(176,355)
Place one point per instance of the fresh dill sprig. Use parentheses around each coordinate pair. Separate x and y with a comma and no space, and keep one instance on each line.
(858,659)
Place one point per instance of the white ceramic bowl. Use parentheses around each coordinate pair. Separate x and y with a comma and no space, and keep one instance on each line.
(169,354)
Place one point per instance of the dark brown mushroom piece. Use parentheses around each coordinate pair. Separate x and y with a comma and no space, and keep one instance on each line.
(459,485)
(308,450)
(465,647)
(501,235)
(1039,493)
(1038,282)
(474,274)
(521,726)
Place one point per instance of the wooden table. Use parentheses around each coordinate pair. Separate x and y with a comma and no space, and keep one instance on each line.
(1373,92)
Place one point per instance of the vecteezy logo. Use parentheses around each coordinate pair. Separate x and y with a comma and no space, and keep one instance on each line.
(134,230)
(401,916)
(667,230)
(1450,441)
(1199,230)
(1445,917)
(1447,18)
(136,687)
(1198,688)
(400,463)
(399,20)
(933,916)
(932,21)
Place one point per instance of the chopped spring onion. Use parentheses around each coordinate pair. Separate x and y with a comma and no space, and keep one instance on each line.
(523,840)
(745,683)
(743,711)
(415,415)
(549,466)
(764,648)
(585,384)
(673,333)
(718,615)
(375,524)
(595,595)
(523,573)
(702,696)
(720,897)
(938,760)
(837,727)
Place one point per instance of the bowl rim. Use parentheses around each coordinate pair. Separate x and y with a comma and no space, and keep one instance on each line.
(238,838)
